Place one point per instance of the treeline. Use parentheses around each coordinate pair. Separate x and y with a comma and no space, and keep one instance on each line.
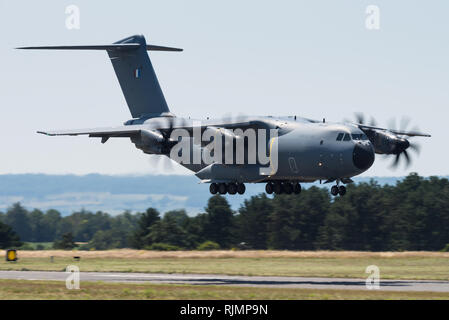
(412,215)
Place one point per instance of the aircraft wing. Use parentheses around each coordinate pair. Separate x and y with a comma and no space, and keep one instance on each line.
(128,131)
(404,133)
(122,131)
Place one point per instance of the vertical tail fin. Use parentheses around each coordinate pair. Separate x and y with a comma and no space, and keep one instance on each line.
(135,73)
(137,79)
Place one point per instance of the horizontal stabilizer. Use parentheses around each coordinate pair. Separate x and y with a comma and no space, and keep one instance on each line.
(134,71)
(122,46)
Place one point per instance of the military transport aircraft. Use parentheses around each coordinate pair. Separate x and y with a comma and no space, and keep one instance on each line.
(297,150)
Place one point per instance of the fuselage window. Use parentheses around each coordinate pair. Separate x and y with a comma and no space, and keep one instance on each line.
(340,136)
(347,137)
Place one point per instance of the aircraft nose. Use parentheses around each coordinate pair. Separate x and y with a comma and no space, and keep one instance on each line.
(363,156)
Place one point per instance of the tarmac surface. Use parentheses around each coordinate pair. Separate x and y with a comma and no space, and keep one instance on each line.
(246,281)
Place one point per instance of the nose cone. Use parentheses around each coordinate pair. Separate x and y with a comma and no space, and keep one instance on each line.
(402,145)
(363,156)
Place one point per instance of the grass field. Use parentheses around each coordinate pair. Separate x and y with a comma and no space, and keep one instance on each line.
(30,290)
(401,265)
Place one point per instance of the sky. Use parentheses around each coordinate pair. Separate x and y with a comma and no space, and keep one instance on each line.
(315,59)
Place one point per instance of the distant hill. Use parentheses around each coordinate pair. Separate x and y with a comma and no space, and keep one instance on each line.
(115,194)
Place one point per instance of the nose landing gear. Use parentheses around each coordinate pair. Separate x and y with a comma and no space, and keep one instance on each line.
(338,190)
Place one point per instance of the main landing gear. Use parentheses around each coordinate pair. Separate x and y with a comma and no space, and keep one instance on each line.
(283,187)
(223,188)
(338,190)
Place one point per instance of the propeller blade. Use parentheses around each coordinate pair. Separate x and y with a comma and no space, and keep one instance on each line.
(360,117)
(405,121)
(392,124)
(396,161)
(161,163)
(415,147)
(407,158)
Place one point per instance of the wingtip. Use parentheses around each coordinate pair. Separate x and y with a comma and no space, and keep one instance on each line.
(44,133)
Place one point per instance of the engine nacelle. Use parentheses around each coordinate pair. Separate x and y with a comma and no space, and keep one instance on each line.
(150,142)
(385,142)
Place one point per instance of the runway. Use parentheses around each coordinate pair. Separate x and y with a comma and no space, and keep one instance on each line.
(225,280)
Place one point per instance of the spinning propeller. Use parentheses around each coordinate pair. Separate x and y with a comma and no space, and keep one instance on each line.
(166,143)
(402,145)
(391,141)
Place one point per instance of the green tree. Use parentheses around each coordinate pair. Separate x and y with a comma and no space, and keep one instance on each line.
(282,232)
(37,225)
(17,218)
(219,222)
(179,216)
(252,221)
(106,239)
(66,242)
(168,231)
(8,238)
(145,221)
(50,225)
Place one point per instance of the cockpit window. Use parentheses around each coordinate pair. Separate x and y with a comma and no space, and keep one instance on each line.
(359,136)
(347,137)
(340,136)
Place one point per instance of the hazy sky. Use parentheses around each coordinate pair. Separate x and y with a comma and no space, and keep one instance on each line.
(311,58)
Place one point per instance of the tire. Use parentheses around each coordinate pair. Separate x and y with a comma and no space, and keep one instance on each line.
(269,188)
(232,188)
(241,188)
(277,188)
(222,188)
(342,190)
(297,188)
(213,188)
(334,190)
(287,187)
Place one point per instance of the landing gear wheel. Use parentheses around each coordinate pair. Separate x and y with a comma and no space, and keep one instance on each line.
(241,188)
(213,188)
(232,188)
(297,188)
(342,190)
(288,188)
(269,188)
(277,188)
(222,188)
(334,190)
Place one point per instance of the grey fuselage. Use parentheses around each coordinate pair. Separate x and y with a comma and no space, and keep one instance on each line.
(306,151)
